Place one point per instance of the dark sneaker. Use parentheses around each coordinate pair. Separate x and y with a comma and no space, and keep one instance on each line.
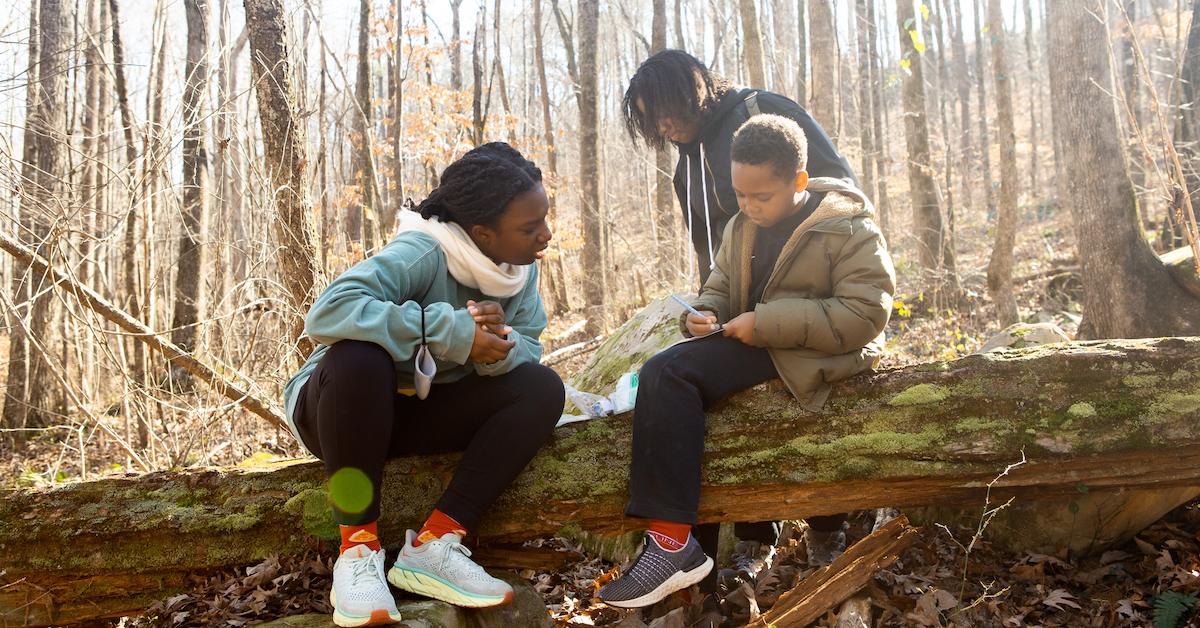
(824,546)
(656,574)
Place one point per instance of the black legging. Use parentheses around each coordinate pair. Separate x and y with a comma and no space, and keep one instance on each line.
(350,416)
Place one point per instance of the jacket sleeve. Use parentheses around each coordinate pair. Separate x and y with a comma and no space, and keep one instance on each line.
(372,302)
(527,318)
(714,296)
(863,283)
(824,160)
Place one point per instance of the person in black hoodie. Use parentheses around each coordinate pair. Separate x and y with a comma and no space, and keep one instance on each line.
(674,98)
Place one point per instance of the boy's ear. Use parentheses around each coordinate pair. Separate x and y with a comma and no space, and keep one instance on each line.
(801,180)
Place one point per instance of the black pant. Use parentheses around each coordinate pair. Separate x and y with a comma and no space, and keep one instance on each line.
(350,416)
(674,389)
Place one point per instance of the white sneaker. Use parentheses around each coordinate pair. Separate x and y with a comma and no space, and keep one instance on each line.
(441,569)
(360,594)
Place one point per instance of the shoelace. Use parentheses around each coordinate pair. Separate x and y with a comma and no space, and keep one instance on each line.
(364,568)
(460,548)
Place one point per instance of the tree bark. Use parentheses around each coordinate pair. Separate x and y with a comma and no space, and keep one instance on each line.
(802,51)
(927,216)
(664,188)
(189,298)
(752,37)
(365,216)
(1034,91)
(589,165)
(999,273)
(456,81)
(1128,293)
(556,278)
(822,97)
(283,135)
(865,111)
(985,158)
(28,399)
(878,105)
(926,434)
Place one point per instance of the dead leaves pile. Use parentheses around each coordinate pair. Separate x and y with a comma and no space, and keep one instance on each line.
(271,589)
(1119,587)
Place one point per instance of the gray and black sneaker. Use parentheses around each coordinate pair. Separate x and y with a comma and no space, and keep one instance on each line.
(656,574)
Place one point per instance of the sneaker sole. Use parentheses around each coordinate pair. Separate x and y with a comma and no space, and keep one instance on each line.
(678,581)
(430,585)
(378,617)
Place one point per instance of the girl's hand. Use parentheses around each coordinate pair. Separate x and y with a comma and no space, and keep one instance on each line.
(488,348)
(489,315)
(700,325)
(742,328)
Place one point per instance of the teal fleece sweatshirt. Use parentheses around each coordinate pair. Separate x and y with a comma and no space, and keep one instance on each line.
(380,300)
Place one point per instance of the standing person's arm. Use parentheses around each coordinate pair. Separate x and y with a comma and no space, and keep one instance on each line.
(527,318)
(372,302)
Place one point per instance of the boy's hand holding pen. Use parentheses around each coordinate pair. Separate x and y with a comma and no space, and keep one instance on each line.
(699,323)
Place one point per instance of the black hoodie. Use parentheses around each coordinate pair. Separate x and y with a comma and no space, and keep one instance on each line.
(714,182)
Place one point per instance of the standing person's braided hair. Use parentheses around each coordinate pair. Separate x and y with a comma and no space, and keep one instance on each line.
(475,189)
(672,83)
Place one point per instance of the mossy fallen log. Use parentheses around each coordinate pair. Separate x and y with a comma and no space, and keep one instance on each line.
(1088,415)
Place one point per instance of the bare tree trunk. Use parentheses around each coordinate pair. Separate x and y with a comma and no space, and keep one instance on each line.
(999,274)
(556,279)
(927,217)
(283,135)
(1187,132)
(478,119)
(16,411)
(397,126)
(455,45)
(1127,290)
(588,17)
(680,40)
(1034,90)
(664,192)
(878,105)
(498,68)
(28,400)
(366,215)
(753,41)
(189,298)
(822,98)
(865,120)
(985,159)
(802,50)
(962,80)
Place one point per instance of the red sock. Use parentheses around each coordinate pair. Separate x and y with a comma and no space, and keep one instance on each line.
(669,535)
(365,534)
(436,525)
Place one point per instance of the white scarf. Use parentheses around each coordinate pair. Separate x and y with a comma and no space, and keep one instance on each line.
(468,265)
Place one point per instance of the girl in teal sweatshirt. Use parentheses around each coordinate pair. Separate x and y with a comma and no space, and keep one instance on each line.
(429,346)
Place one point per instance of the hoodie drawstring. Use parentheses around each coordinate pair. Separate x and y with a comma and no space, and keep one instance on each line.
(712,262)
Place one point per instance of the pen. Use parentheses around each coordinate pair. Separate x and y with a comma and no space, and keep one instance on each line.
(692,309)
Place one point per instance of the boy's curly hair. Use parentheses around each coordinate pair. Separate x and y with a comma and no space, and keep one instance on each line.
(475,189)
(770,139)
(672,83)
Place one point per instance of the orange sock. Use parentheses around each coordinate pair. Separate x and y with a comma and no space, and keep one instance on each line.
(436,525)
(365,534)
(669,535)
